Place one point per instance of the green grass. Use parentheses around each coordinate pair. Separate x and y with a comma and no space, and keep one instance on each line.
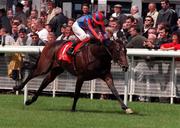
(50,112)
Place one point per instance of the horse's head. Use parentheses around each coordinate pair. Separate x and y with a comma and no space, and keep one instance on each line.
(119,54)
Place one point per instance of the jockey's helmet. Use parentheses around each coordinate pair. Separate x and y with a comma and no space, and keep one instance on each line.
(98,18)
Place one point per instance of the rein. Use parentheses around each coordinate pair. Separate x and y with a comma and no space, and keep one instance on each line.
(108,51)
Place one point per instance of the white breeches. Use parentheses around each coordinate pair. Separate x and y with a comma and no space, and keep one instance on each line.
(79,32)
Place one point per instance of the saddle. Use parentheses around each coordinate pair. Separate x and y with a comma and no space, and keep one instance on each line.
(62,51)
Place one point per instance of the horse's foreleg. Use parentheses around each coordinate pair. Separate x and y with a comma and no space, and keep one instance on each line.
(48,79)
(109,81)
(79,84)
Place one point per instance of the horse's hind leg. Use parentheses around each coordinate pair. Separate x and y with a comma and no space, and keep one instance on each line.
(43,66)
(48,79)
(31,75)
(79,84)
(109,81)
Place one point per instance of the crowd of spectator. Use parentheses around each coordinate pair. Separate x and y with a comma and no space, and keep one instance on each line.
(17,29)
(157,30)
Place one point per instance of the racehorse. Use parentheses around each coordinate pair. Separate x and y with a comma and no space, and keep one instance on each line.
(90,62)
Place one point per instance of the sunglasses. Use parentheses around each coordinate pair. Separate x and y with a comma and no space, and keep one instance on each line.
(34,38)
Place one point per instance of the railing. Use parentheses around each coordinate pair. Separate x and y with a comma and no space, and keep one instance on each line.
(93,86)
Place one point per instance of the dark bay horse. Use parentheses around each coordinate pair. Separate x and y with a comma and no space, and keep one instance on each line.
(91,62)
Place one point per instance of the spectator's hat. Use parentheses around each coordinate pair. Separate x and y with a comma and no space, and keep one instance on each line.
(19,5)
(117,6)
(22,30)
(50,2)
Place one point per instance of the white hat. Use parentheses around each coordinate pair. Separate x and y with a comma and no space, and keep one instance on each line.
(117,6)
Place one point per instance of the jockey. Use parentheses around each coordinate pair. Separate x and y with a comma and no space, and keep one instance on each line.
(85,24)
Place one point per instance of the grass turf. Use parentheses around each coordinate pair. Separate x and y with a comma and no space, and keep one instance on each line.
(50,112)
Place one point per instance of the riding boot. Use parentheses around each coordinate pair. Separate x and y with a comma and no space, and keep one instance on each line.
(71,50)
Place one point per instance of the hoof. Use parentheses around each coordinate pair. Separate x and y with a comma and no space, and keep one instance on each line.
(129,111)
(73,110)
(28,102)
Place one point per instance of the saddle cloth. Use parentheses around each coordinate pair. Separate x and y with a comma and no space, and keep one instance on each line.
(62,52)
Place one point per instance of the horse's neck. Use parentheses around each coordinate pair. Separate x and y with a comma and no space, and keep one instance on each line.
(100,51)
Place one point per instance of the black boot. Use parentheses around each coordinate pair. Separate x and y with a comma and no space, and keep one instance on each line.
(70,51)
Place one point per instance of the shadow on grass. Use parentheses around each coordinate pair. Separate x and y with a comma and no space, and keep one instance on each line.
(93,111)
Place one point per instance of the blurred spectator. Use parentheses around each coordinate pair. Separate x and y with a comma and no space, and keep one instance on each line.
(27,7)
(28,25)
(85,9)
(10,15)
(153,12)
(33,28)
(20,14)
(51,38)
(130,21)
(50,11)
(137,40)
(33,20)
(34,14)
(18,21)
(162,37)
(43,17)
(167,14)
(148,23)
(6,39)
(177,28)
(23,39)
(48,27)
(15,31)
(161,26)
(62,29)
(110,20)
(69,34)
(135,13)
(4,21)
(174,45)
(41,31)
(36,41)
(152,31)
(149,43)
(115,26)
(117,31)
(70,22)
(118,14)
(57,21)
(109,32)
